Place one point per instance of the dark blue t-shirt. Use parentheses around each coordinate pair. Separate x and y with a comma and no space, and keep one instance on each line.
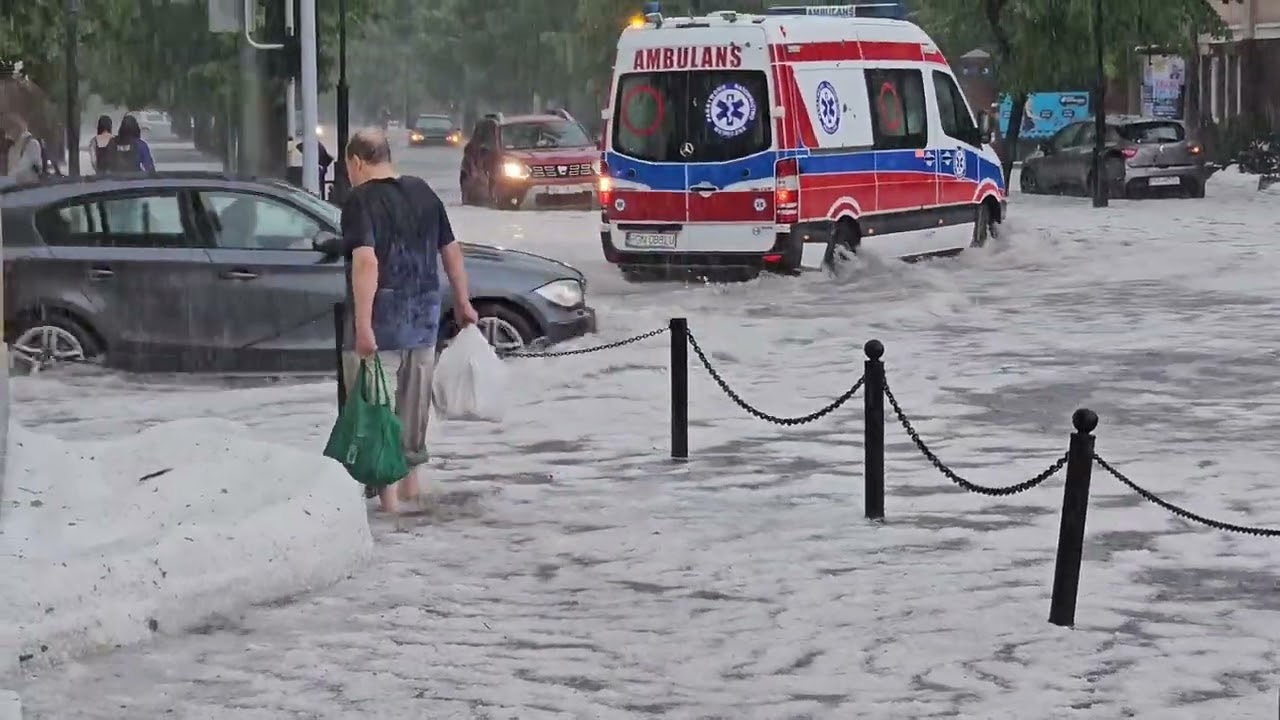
(405,223)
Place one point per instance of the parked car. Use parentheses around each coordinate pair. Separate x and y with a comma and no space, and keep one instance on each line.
(434,130)
(1145,156)
(544,160)
(205,272)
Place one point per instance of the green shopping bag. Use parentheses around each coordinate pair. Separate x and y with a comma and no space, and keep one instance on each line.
(366,437)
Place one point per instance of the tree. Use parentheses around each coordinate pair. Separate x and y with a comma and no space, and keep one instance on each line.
(1037,45)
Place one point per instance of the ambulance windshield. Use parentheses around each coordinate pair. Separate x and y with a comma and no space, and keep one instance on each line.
(693,116)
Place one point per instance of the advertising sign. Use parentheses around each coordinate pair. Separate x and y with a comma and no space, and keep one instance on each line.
(1046,113)
(1163,80)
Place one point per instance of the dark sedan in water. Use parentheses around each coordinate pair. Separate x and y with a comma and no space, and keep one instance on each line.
(205,272)
(434,130)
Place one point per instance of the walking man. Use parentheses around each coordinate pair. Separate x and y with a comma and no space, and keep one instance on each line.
(396,233)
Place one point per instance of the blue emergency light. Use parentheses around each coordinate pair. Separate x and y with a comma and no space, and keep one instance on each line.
(894,10)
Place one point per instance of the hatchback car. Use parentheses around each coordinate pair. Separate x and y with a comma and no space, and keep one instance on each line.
(1145,156)
(204,272)
(429,130)
(540,160)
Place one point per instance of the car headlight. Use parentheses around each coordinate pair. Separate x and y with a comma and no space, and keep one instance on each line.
(566,293)
(515,169)
(416,136)
(319,131)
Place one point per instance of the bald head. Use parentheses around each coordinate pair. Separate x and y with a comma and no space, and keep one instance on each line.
(370,146)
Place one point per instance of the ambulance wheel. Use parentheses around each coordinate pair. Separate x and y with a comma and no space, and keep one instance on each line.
(842,248)
(984,227)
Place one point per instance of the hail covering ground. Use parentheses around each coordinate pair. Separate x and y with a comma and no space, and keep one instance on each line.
(568,570)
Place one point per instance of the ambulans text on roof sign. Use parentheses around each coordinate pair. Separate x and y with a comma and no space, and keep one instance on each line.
(688,58)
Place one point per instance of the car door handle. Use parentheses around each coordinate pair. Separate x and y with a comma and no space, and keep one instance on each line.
(239,275)
(101,273)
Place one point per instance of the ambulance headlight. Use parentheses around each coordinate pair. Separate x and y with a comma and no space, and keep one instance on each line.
(567,293)
(515,170)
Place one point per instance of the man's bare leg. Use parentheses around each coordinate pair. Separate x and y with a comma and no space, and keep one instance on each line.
(387,496)
(408,486)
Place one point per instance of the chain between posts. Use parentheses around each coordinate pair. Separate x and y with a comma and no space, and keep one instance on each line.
(952,475)
(1183,512)
(586,351)
(776,420)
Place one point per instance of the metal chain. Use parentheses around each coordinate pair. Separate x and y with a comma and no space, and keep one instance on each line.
(1180,512)
(587,351)
(787,421)
(951,474)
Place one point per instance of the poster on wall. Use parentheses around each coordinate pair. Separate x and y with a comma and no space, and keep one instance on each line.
(1045,113)
(1164,78)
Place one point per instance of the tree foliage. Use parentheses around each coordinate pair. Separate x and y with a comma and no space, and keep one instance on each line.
(1049,44)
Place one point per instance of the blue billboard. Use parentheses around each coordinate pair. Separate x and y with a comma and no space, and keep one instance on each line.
(1046,113)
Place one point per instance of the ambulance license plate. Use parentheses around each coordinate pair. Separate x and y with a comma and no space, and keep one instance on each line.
(651,240)
(1164,181)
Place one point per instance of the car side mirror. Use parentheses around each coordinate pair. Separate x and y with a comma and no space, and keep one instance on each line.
(327,244)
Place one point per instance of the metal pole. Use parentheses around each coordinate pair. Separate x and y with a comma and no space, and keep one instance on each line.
(1075,506)
(679,331)
(73,88)
(291,96)
(310,98)
(873,430)
(1099,114)
(340,183)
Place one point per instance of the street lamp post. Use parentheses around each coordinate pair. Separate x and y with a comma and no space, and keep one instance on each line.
(73,88)
(340,182)
(1099,113)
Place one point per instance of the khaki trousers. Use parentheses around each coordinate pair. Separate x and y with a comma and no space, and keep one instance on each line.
(409,380)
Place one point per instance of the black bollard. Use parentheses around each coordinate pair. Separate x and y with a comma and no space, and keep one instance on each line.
(339,330)
(873,429)
(1075,505)
(679,388)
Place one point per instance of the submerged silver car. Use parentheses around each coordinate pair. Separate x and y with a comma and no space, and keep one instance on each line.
(203,272)
(1145,156)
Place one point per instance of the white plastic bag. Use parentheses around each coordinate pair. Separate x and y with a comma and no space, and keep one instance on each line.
(470,379)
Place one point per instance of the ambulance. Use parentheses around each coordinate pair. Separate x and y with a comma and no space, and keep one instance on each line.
(734,141)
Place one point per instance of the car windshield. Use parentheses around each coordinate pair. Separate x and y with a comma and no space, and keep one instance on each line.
(433,123)
(698,116)
(1153,132)
(544,134)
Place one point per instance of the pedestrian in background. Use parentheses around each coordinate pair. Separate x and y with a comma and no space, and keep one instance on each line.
(127,152)
(25,156)
(99,142)
(396,233)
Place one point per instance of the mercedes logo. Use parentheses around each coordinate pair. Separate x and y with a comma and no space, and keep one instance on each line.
(686,150)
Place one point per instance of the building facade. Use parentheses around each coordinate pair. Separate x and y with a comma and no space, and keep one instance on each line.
(1239,76)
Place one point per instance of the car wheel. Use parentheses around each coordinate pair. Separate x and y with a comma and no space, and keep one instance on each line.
(1027,181)
(983,227)
(841,250)
(44,343)
(506,328)
(468,195)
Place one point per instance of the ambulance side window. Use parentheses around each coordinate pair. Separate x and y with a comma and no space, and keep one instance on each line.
(953,112)
(899,120)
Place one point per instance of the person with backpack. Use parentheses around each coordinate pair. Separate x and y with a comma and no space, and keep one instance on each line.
(127,152)
(25,155)
(98,144)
